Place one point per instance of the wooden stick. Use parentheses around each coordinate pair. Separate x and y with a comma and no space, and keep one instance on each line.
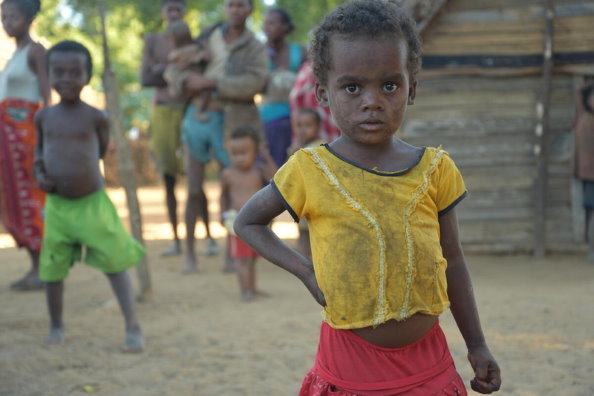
(124,156)
(542,131)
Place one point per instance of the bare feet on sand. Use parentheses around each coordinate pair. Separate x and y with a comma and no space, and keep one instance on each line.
(173,250)
(56,336)
(191,265)
(249,295)
(134,341)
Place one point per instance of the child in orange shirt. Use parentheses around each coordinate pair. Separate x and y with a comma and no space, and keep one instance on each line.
(386,258)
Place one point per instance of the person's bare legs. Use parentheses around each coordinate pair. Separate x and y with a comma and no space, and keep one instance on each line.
(590,234)
(54,292)
(30,281)
(244,268)
(228,264)
(122,288)
(194,204)
(171,200)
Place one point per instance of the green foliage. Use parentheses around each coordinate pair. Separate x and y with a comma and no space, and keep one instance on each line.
(129,21)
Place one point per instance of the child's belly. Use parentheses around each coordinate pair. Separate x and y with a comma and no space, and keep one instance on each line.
(395,334)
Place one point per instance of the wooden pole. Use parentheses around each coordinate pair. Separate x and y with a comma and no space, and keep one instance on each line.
(542,131)
(124,156)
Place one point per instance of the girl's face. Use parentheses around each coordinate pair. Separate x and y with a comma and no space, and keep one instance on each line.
(368,87)
(274,28)
(14,21)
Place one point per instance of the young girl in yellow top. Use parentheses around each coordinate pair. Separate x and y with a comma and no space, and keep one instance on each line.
(386,259)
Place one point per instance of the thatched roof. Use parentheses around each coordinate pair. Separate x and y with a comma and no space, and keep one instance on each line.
(423,11)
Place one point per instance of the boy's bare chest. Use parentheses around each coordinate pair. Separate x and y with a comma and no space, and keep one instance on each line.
(247,181)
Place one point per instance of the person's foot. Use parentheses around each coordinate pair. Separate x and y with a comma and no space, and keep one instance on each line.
(173,250)
(28,282)
(191,265)
(134,341)
(247,296)
(56,336)
(260,293)
(212,249)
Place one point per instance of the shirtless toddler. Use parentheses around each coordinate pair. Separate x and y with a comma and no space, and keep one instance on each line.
(239,183)
(187,56)
(72,137)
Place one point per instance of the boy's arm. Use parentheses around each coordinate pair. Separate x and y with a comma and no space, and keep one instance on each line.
(225,200)
(463,306)
(38,63)
(103,133)
(251,226)
(38,166)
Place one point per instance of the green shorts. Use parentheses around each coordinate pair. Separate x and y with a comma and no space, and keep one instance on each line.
(92,222)
(164,138)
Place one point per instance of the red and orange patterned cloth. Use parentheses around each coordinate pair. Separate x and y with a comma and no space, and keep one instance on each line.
(21,199)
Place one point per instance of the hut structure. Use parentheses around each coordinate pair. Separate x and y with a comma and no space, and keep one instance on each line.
(482,96)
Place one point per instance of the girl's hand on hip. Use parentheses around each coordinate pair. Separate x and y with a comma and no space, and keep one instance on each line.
(487,376)
(311,283)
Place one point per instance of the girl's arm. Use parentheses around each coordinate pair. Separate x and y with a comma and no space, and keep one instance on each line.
(251,226)
(37,63)
(463,306)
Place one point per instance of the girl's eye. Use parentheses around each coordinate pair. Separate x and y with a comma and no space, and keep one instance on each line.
(352,88)
(390,87)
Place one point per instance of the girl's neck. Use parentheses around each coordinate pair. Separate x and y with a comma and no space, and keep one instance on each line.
(277,44)
(24,40)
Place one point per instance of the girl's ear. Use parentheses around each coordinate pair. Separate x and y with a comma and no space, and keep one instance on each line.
(412,93)
(322,95)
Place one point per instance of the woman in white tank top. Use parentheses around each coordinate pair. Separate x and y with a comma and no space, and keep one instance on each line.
(24,88)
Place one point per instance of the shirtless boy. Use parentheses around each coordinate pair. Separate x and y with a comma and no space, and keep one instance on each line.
(72,137)
(239,183)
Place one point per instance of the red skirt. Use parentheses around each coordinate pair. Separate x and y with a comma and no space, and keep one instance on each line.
(348,365)
(22,199)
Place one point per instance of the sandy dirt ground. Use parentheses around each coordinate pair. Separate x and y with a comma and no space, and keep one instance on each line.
(538,317)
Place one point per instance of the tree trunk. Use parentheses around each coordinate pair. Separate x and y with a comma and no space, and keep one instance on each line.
(124,156)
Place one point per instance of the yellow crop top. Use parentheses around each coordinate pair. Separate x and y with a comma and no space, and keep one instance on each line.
(374,235)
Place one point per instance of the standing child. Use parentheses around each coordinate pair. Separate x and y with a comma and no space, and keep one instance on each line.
(239,183)
(186,57)
(72,137)
(386,256)
(307,135)
(583,160)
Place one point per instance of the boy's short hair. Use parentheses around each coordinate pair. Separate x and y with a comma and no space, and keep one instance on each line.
(313,112)
(29,8)
(244,131)
(72,46)
(368,19)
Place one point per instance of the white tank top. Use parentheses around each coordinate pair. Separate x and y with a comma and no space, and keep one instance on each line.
(17,80)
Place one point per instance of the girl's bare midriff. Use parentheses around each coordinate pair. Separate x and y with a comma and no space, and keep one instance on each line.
(397,334)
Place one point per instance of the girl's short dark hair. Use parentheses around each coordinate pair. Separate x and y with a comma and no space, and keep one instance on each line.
(284,16)
(367,19)
(72,46)
(29,8)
